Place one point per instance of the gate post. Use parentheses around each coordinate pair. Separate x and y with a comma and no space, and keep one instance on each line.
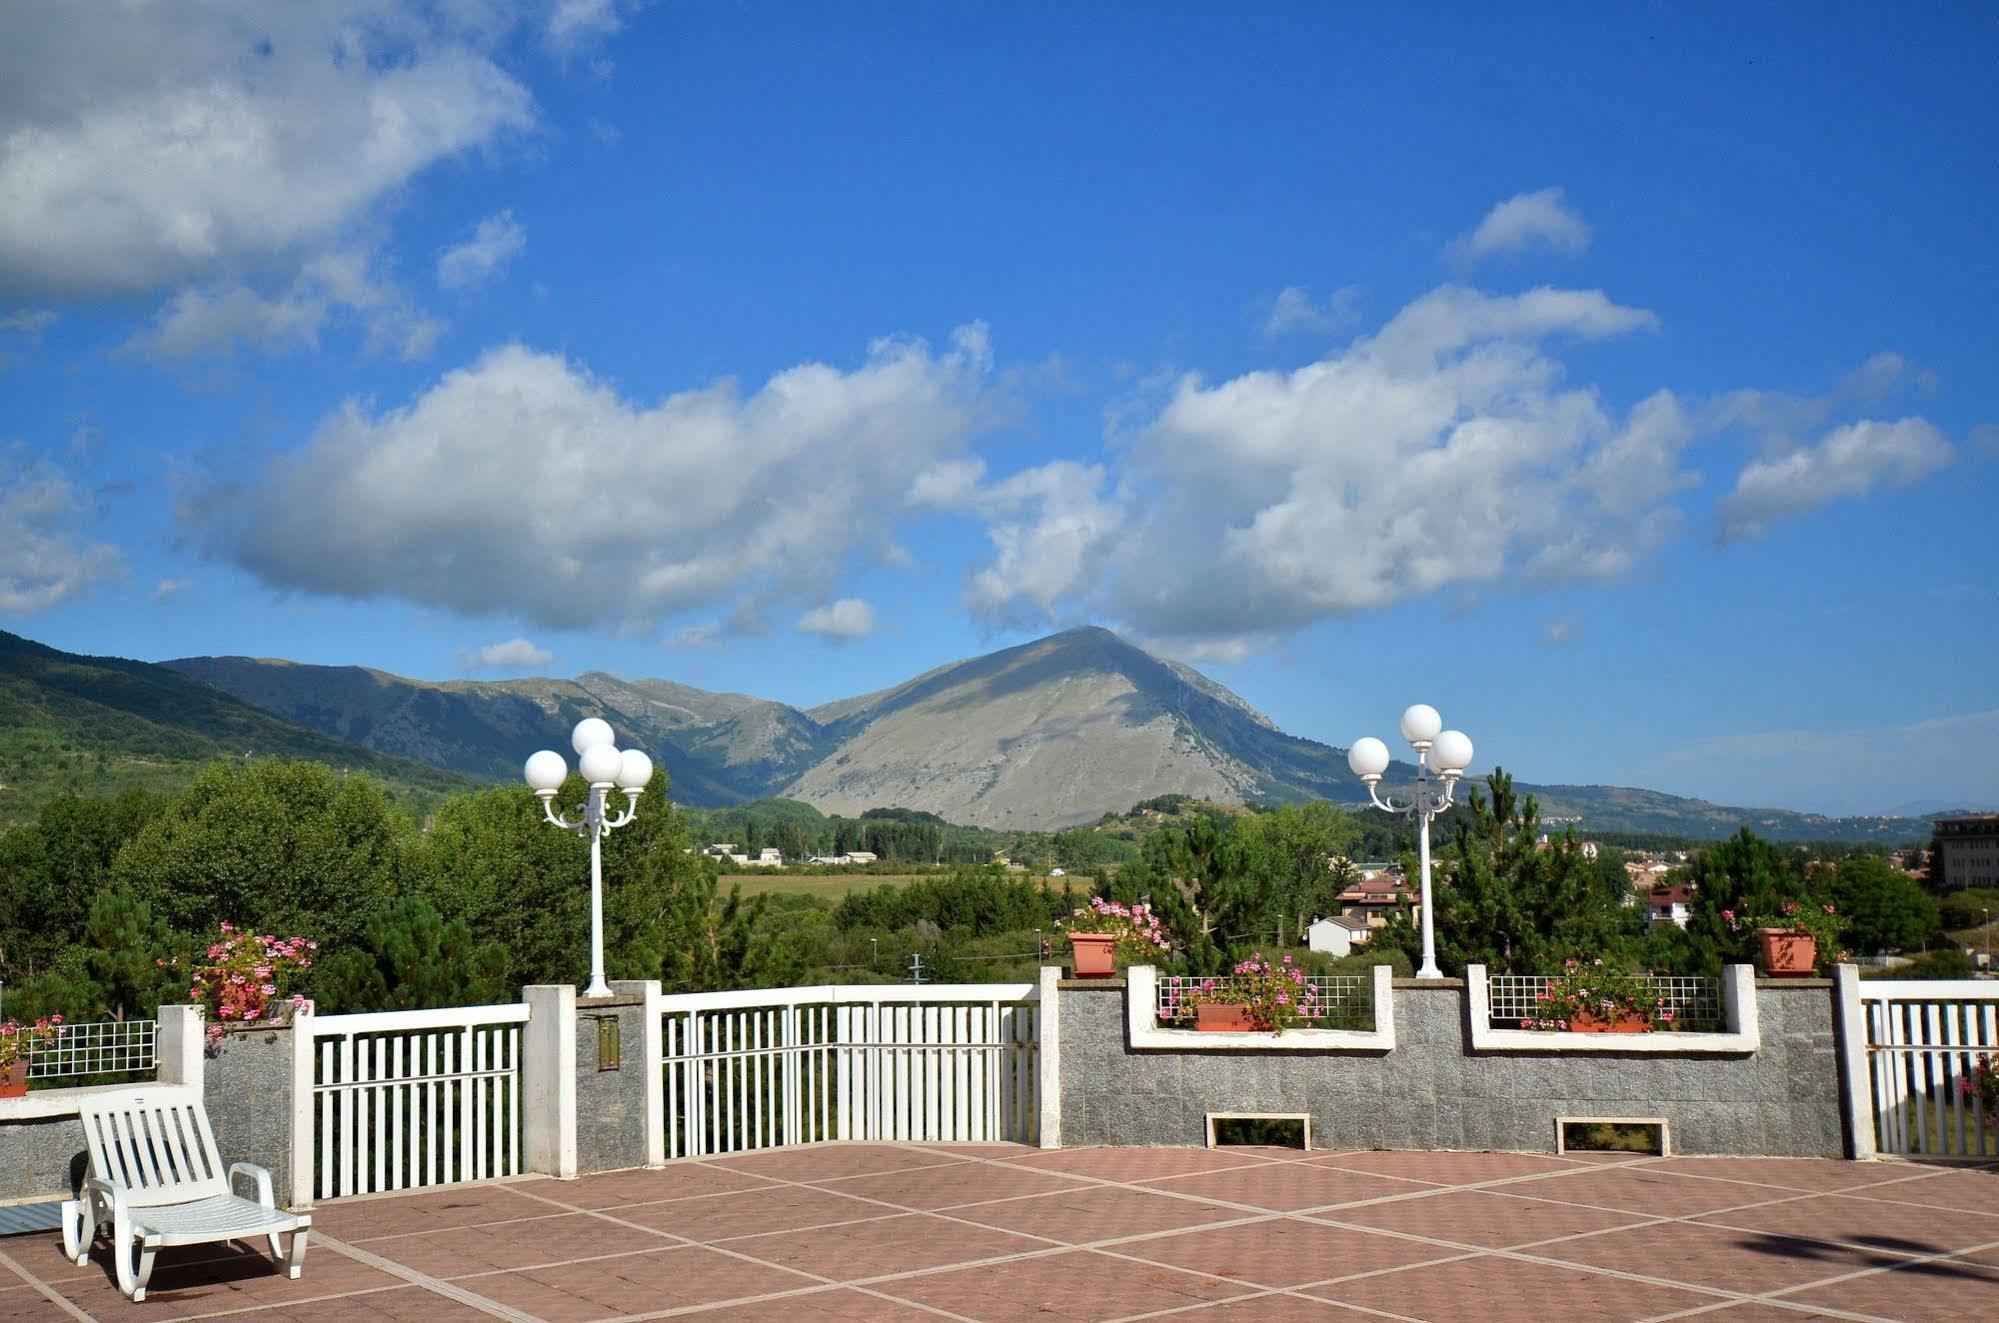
(303,1190)
(1850,1035)
(1048,1058)
(548,1080)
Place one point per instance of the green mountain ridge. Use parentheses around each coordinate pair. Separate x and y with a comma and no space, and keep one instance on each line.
(96,725)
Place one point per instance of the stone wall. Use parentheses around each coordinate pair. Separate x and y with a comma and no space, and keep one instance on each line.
(611,1104)
(1433,1092)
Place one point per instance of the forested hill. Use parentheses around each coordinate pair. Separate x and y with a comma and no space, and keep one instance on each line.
(96,725)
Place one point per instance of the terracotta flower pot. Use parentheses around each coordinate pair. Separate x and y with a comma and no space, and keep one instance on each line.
(1787,952)
(1218,1018)
(1093,955)
(1622,1022)
(14,1079)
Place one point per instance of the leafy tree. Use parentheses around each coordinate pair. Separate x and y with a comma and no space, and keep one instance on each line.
(1743,874)
(1885,910)
(115,970)
(1515,907)
(410,958)
(53,869)
(271,845)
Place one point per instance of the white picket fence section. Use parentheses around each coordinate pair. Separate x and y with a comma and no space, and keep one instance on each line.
(939,1063)
(406,1099)
(1923,1039)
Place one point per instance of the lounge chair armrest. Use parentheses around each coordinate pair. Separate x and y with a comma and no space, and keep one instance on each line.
(260,1177)
(112,1193)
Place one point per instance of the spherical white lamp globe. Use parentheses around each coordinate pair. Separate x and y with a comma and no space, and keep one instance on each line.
(1450,752)
(1421,723)
(546,772)
(600,764)
(589,733)
(1368,757)
(634,770)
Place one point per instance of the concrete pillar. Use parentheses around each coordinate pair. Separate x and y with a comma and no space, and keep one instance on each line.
(652,1060)
(1048,1059)
(548,1080)
(1849,1028)
(178,1045)
(299,1103)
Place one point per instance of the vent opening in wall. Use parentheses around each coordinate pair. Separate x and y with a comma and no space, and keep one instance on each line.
(1260,1129)
(1612,1134)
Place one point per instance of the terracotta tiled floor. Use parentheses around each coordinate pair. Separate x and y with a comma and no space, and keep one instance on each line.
(857,1233)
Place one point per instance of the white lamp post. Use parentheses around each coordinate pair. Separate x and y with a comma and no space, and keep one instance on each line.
(603,766)
(1445,752)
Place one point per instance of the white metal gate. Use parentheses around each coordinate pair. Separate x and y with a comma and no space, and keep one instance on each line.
(942,1063)
(1924,1038)
(405,1099)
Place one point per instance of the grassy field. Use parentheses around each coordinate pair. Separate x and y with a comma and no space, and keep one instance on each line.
(833,887)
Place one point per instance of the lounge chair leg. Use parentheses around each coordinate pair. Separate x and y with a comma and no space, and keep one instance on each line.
(135,1267)
(277,1250)
(76,1231)
(296,1264)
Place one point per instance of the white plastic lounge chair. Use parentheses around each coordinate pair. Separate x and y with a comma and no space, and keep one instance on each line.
(156,1179)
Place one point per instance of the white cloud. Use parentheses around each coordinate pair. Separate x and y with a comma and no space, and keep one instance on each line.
(1047,525)
(1849,461)
(28,321)
(522,484)
(1522,222)
(575,23)
(1443,452)
(183,142)
(169,588)
(497,241)
(45,557)
(1564,631)
(1293,310)
(707,635)
(848,618)
(515,654)
(330,287)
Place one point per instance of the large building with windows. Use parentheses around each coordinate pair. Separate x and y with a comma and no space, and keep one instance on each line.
(1968,849)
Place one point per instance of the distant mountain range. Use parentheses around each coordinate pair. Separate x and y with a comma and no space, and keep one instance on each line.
(1049,734)
(100,724)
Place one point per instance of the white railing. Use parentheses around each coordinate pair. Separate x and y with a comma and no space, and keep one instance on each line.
(406,1099)
(1923,1039)
(96,1047)
(759,1069)
(1695,1002)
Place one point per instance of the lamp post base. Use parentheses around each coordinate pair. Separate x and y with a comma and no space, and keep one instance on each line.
(1430,970)
(598,988)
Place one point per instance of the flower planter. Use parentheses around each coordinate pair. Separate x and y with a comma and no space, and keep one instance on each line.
(14,1079)
(1787,952)
(1620,1022)
(1093,955)
(1221,1018)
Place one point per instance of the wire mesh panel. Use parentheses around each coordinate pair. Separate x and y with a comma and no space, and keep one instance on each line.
(1923,1043)
(114,1049)
(1337,1001)
(747,1071)
(1694,1002)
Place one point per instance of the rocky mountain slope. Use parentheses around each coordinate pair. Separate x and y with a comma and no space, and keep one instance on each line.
(1044,735)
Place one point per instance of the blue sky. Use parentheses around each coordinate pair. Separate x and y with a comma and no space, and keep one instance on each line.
(1621,383)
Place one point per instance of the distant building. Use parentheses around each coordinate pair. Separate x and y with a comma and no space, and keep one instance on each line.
(1670,905)
(850,857)
(1337,935)
(1371,900)
(1968,850)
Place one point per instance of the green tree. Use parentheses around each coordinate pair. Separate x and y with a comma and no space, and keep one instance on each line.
(114,970)
(1743,874)
(1515,907)
(1884,909)
(277,846)
(52,871)
(411,959)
